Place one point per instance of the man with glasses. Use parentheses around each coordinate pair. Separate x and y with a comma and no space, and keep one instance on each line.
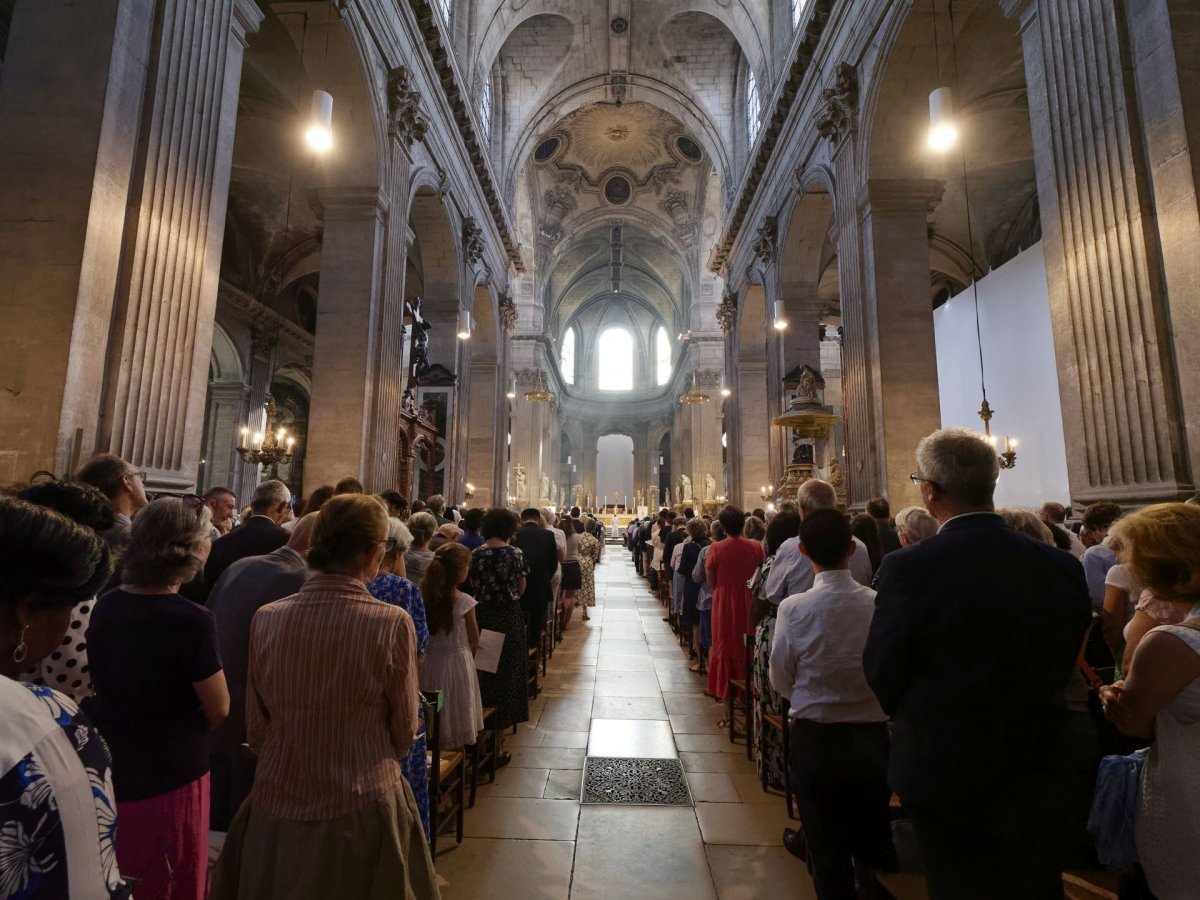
(972,644)
(125,488)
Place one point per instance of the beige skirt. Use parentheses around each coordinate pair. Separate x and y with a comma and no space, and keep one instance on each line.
(376,852)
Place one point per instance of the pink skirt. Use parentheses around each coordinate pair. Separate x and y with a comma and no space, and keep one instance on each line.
(162,843)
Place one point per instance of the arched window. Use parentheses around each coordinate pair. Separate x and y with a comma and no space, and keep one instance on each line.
(485,106)
(662,355)
(566,359)
(443,7)
(753,105)
(798,7)
(615,353)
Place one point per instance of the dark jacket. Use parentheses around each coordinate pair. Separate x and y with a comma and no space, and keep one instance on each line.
(541,555)
(889,539)
(245,587)
(974,638)
(254,537)
(676,537)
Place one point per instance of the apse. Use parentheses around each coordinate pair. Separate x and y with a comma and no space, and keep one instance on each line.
(614,468)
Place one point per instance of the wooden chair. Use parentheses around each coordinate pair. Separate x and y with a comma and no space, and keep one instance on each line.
(482,754)
(779,722)
(740,693)
(447,776)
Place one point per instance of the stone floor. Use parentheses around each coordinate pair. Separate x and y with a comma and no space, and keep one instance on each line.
(619,686)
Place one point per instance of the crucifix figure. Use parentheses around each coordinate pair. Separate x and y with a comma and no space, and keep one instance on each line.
(420,350)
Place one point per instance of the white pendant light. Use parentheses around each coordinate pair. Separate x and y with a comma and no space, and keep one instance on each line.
(512,389)
(320,126)
(725,389)
(464,325)
(943,129)
(781,321)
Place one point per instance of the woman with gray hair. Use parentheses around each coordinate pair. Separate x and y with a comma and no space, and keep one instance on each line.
(160,691)
(423,527)
(392,586)
(914,524)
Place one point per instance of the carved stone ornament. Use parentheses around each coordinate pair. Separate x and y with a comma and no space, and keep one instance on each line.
(764,241)
(839,104)
(472,238)
(508,312)
(727,311)
(405,122)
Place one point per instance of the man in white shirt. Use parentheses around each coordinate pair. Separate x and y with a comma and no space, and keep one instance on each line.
(792,572)
(839,740)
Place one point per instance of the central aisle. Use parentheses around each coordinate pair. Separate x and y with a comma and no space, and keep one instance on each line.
(619,685)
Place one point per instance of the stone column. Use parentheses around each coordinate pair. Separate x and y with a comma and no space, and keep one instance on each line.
(167,290)
(484,404)
(898,319)
(703,423)
(221,431)
(347,333)
(751,432)
(1105,262)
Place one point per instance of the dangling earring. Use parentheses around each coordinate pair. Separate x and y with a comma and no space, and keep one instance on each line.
(21,650)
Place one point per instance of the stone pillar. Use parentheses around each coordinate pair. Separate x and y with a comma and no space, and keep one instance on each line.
(263,341)
(898,319)
(484,404)
(703,423)
(167,290)
(1165,49)
(345,346)
(751,432)
(1105,255)
(221,433)
(533,423)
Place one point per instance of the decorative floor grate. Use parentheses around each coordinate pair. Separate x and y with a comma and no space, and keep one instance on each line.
(635,782)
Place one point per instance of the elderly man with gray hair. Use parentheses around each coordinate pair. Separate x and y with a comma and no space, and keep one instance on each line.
(262,532)
(914,524)
(973,641)
(792,572)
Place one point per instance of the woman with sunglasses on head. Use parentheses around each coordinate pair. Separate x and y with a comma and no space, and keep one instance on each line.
(331,709)
(160,691)
(393,586)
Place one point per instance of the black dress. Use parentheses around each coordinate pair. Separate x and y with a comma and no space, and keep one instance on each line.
(496,574)
(691,590)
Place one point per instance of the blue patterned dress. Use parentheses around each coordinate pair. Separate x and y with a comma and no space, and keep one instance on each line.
(58,816)
(403,593)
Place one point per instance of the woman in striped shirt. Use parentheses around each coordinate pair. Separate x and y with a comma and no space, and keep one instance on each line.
(331,709)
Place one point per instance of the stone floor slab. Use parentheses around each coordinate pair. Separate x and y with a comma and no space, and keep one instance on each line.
(512,817)
(487,869)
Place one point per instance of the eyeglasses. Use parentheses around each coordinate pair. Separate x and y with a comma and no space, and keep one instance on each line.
(192,501)
(141,476)
(918,479)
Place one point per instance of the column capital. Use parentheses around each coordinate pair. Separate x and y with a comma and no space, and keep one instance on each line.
(901,194)
(247,18)
(353,203)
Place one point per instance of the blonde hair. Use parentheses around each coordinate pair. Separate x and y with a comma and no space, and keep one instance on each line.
(1162,545)
(1028,524)
(349,525)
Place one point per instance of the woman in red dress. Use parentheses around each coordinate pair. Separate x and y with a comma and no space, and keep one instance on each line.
(730,565)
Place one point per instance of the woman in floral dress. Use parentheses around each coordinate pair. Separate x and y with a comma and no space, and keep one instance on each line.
(588,554)
(392,586)
(57,804)
(497,581)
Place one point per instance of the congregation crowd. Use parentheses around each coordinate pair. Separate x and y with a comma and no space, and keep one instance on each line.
(183,671)
(957,671)
(174,668)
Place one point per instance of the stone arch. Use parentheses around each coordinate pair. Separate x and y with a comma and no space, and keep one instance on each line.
(225,364)
(436,265)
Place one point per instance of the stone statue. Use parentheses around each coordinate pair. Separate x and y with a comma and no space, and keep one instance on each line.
(519,482)
(710,487)
(685,489)
(545,487)
(835,473)
(554,493)
(421,326)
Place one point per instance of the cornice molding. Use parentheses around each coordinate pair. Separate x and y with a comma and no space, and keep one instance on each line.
(427,20)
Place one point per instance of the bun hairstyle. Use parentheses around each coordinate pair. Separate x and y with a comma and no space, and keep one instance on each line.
(47,559)
(423,526)
(440,585)
(77,500)
(349,525)
(1162,546)
(164,542)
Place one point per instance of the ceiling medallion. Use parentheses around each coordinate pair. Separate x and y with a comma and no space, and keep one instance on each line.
(619,25)
(617,133)
(618,190)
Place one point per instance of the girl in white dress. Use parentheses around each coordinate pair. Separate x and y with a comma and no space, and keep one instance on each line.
(453,639)
(1160,698)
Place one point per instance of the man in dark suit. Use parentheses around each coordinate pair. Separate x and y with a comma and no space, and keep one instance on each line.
(261,533)
(541,555)
(972,643)
(245,587)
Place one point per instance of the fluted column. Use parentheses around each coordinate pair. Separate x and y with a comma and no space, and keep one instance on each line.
(344,351)
(704,425)
(1119,382)
(168,290)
